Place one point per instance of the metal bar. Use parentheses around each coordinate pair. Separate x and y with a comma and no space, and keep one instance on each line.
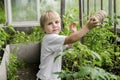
(110,7)
(95,5)
(6,12)
(101,4)
(62,12)
(80,18)
(88,8)
(115,31)
(80,12)
(83,6)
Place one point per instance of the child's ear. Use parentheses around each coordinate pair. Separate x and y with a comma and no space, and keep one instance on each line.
(43,31)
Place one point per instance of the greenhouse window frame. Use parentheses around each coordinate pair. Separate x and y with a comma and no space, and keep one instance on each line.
(9,20)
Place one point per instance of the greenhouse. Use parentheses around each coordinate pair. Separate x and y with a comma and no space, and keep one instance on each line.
(59,40)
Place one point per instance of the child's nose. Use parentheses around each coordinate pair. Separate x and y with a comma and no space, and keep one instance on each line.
(54,24)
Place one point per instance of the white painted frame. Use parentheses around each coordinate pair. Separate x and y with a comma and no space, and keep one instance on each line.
(9,20)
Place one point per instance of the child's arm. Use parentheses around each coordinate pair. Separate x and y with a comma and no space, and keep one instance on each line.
(80,33)
(73,27)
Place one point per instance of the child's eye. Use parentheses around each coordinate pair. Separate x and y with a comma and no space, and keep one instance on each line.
(56,21)
(49,23)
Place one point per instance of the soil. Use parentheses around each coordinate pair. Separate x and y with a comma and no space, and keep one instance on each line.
(28,72)
(1,55)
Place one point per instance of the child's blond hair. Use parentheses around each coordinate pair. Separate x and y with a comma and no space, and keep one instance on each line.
(49,15)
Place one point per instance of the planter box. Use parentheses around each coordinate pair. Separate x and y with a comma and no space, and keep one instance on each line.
(3,64)
(29,52)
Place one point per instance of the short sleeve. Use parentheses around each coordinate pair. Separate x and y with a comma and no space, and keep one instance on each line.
(55,42)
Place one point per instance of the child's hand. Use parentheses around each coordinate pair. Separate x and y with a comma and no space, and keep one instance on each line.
(73,27)
(93,22)
(96,19)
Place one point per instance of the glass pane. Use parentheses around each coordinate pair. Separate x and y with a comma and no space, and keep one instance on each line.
(72,9)
(49,5)
(24,10)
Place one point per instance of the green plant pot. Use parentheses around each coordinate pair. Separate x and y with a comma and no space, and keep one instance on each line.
(29,52)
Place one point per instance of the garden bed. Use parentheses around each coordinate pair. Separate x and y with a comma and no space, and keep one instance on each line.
(4,62)
(31,56)
(28,72)
(29,52)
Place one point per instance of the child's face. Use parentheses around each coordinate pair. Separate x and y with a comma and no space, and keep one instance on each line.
(52,26)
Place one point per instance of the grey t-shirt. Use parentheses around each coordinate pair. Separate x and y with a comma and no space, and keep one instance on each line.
(52,45)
